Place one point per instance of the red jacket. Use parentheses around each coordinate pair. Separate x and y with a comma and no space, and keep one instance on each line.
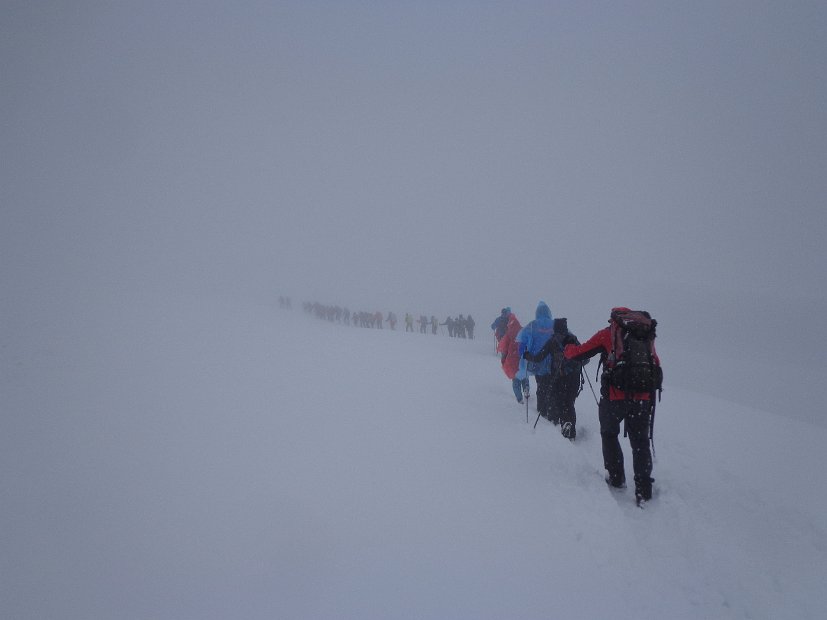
(601,342)
(507,347)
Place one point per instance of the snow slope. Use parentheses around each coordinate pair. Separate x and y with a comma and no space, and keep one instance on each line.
(209,459)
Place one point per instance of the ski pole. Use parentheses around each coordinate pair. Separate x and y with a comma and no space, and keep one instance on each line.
(583,373)
(526,394)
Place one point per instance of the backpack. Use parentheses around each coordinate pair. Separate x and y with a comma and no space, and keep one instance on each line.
(560,366)
(631,365)
(501,325)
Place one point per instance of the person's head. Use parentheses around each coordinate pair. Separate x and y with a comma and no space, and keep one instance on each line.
(543,311)
(561,326)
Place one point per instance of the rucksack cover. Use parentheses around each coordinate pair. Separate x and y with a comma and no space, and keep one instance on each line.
(631,365)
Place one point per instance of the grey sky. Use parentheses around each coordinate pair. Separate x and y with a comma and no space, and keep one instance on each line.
(447,155)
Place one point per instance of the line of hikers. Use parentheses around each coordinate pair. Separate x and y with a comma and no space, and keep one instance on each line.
(338,314)
(460,327)
(631,375)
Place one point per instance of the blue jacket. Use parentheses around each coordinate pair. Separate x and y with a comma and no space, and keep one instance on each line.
(501,323)
(532,337)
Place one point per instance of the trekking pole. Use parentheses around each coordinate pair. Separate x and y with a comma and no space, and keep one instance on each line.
(526,394)
(537,420)
(584,373)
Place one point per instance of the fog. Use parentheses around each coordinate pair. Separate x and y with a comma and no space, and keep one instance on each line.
(169,169)
(430,157)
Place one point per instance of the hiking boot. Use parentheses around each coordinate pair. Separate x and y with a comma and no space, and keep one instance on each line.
(617,483)
(643,489)
(567,430)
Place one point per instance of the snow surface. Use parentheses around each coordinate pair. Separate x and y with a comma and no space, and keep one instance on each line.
(210,459)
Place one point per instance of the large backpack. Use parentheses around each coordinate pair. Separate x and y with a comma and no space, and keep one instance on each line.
(631,364)
(500,326)
(560,366)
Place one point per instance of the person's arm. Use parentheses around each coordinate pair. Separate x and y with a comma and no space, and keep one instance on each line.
(521,338)
(541,354)
(599,343)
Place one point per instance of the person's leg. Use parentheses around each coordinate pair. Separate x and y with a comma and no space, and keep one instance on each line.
(637,428)
(544,395)
(571,388)
(568,418)
(517,386)
(611,413)
(555,401)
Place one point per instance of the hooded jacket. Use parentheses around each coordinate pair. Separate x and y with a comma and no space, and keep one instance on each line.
(508,347)
(533,337)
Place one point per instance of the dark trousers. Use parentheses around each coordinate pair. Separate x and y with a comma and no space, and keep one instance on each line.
(563,393)
(637,415)
(544,383)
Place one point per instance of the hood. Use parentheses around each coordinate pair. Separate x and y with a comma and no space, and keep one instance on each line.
(543,311)
(561,326)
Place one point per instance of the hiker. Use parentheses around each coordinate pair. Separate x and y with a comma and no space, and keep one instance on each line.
(619,346)
(408,322)
(510,357)
(469,327)
(434,324)
(459,326)
(500,324)
(449,325)
(566,379)
(531,339)
(391,319)
(423,324)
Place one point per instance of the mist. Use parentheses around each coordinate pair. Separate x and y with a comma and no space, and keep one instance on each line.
(434,158)
(169,169)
